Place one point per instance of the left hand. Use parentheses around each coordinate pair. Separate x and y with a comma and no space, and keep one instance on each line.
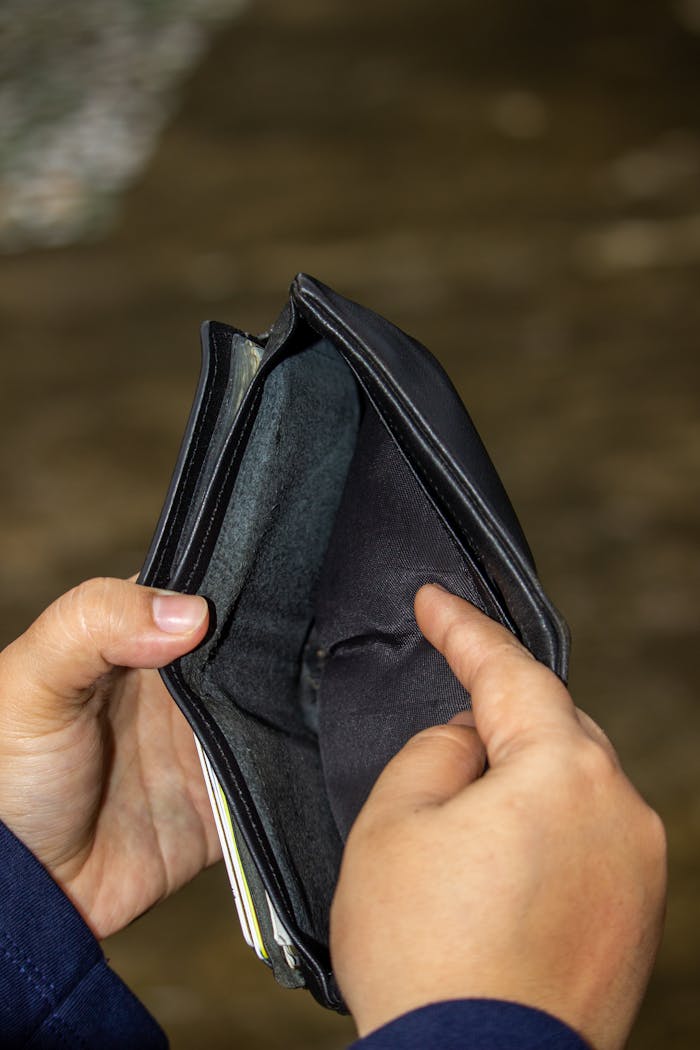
(99,776)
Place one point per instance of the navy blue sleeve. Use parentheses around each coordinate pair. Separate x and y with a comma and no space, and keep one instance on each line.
(56,989)
(473,1024)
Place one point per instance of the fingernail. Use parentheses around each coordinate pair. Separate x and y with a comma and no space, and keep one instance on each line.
(178,613)
(439,587)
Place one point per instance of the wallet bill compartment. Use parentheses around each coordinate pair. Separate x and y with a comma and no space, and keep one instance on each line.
(307,520)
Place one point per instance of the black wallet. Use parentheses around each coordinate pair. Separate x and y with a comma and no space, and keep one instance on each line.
(328,470)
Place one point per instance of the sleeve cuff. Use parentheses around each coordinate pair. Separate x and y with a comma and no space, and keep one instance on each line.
(474,1024)
(56,988)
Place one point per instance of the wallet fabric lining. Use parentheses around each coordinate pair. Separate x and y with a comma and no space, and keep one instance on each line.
(261,580)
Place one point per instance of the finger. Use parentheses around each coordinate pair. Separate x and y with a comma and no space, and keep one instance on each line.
(430,769)
(513,696)
(100,624)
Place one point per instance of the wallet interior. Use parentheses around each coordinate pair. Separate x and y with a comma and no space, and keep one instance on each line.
(315,670)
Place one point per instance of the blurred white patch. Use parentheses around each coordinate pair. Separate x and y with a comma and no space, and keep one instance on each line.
(85,89)
(519,115)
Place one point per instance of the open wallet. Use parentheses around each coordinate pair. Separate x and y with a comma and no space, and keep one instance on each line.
(328,470)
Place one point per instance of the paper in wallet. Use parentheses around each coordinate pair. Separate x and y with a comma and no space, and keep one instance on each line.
(328,470)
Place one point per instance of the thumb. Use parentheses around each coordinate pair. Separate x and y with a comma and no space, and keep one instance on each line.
(433,767)
(98,625)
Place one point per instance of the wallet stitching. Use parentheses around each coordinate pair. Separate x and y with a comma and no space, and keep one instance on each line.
(431,481)
(432,485)
(346,337)
(425,474)
(253,817)
(222,487)
(467,559)
(204,714)
(192,453)
(480,512)
(343,337)
(211,725)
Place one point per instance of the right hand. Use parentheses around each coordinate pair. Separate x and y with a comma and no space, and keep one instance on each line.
(541,882)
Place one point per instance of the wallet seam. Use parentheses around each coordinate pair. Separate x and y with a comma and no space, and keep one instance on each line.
(191,456)
(431,483)
(213,728)
(480,510)
(315,970)
(251,812)
(347,337)
(425,477)
(245,431)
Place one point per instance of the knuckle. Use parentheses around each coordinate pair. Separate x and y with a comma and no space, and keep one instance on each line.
(93,608)
(501,655)
(87,596)
(453,639)
(656,836)
(594,762)
(596,732)
(445,747)
(370,833)
(448,735)
(650,839)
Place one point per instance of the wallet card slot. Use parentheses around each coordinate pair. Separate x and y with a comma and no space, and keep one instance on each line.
(245,355)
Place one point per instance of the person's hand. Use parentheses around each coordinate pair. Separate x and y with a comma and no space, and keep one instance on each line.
(541,882)
(99,776)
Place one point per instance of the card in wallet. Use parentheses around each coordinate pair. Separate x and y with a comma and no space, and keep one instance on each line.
(328,470)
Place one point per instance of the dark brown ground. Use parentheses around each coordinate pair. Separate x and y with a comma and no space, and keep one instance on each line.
(516,185)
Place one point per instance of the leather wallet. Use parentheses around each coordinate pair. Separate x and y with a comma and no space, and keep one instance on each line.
(328,470)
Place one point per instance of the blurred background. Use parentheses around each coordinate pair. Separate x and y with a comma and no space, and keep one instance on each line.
(516,183)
